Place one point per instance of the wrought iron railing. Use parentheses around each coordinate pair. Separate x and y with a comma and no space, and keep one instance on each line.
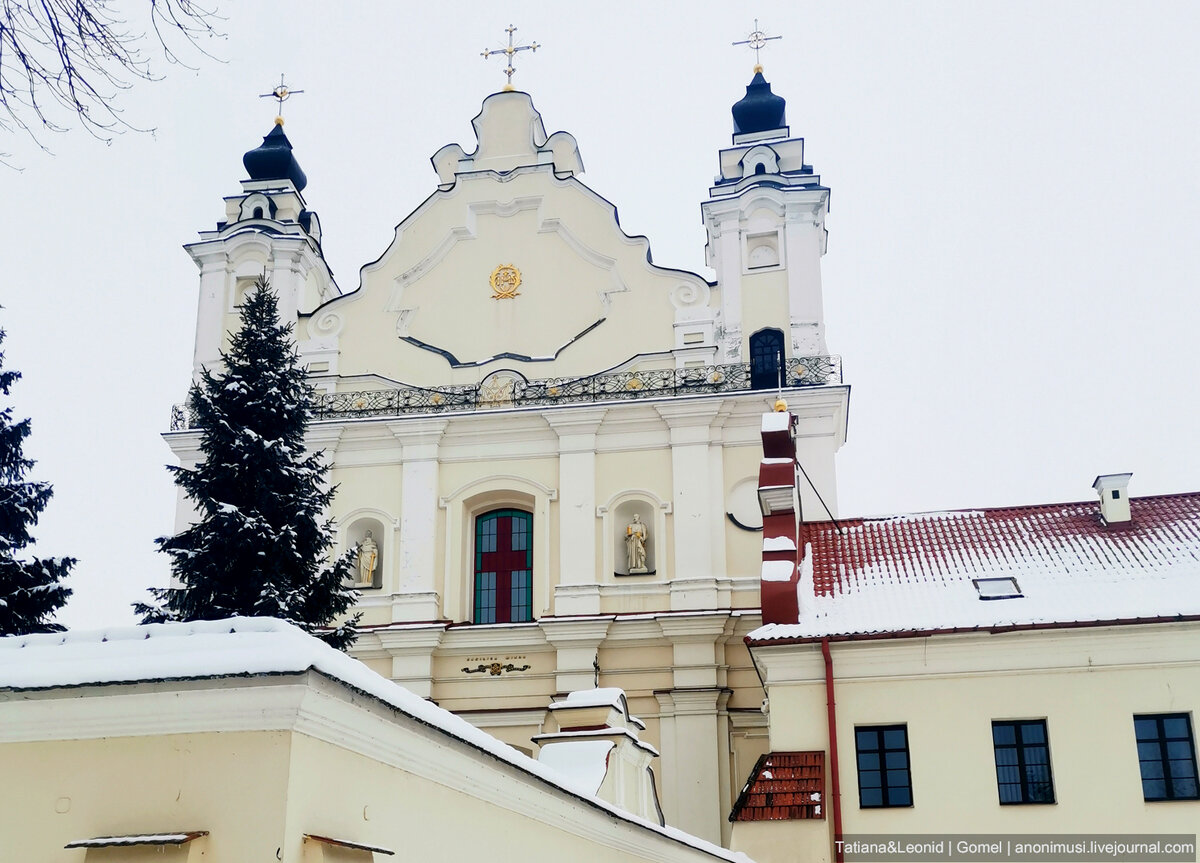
(504,392)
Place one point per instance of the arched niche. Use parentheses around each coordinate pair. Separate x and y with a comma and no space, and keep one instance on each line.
(617,516)
(257,206)
(354,535)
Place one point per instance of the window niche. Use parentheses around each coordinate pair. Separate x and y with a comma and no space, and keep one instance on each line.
(479,497)
(367,535)
(762,251)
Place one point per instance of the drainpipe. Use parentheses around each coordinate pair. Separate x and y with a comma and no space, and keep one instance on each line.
(835,785)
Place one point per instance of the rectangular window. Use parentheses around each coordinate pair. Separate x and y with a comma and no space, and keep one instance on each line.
(883,774)
(1023,762)
(485,597)
(503,567)
(1167,756)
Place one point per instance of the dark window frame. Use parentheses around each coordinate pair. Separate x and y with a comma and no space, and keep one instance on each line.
(768,352)
(1025,759)
(1175,772)
(872,762)
(502,575)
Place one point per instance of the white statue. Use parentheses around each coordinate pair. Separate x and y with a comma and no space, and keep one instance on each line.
(368,557)
(635,544)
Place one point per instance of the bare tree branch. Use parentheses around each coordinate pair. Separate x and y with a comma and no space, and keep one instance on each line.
(74,57)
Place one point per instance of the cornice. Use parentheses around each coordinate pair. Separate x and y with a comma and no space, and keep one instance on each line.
(493,637)
(983,653)
(562,632)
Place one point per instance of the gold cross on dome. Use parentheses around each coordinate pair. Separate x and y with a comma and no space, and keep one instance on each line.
(757,40)
(508,53)
(280,94)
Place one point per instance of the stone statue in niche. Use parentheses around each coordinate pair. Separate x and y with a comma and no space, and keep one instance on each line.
(368,558)
(636,535)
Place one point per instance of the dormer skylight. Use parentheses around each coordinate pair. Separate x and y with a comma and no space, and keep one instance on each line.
(997,588)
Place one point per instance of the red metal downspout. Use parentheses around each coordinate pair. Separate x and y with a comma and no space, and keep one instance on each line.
(835,786)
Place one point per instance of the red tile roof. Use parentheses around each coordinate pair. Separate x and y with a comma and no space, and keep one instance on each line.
(783,786)
(916,572)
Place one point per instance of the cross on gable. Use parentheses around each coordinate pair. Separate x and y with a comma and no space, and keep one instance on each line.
(508,52)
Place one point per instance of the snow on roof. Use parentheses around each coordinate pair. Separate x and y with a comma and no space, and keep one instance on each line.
(583,764)
(604,696)
(346,843)
(776,421)
(138,839)
(916,572)
(782,786)
(250,646)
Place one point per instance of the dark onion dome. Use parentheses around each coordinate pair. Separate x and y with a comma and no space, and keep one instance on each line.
(760,110)
(274,160)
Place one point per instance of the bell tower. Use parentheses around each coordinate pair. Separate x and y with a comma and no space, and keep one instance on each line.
(268,230)
(765,219)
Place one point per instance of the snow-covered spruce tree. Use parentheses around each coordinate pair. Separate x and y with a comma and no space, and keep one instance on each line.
(261,546)
(30,590)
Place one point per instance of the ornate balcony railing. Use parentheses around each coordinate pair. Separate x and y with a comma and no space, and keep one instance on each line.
(504,392)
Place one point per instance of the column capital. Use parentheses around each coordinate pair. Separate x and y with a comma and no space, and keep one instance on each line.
(419,438)
(680,628)
(571,632)
(576,428)
(690,422)
(411,639)
(323,436)
(698,701)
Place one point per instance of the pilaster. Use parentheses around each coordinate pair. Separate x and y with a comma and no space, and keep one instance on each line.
(694,735)
(577,643)
(419,443)
(805,240)
(694,511)
(411,650)
(576,429)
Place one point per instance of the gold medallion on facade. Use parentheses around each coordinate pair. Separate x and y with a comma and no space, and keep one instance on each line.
(505,280)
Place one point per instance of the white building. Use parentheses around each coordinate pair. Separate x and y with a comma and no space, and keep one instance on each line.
(246,739)
(1021,670)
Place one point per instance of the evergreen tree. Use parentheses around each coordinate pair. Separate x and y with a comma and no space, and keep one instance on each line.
(260,546)
(30,591)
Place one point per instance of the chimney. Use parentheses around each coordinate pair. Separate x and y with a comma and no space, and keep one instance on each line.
(779,500)
(598,751)
(1114,497)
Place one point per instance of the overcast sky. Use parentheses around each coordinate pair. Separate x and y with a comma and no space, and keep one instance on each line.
(1014,242)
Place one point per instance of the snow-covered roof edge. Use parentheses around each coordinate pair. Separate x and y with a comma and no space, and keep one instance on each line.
(252,646)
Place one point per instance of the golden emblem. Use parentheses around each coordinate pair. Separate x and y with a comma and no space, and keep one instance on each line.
(505,280)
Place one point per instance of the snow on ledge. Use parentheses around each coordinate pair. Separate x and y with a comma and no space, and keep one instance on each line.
(138,839)
(604,696)
(776,421)
(583,764)
(777,570)
(778,543)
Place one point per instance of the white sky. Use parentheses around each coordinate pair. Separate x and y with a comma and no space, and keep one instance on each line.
(1014,238)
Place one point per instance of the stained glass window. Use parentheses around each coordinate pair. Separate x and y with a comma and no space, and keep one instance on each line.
(503,567)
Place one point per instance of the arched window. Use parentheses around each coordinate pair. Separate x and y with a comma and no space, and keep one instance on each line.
(503,567)
(766,352)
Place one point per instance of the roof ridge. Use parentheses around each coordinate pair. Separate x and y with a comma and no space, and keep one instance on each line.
(968,510)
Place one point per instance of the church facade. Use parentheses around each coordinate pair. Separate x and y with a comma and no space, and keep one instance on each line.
(546,445)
